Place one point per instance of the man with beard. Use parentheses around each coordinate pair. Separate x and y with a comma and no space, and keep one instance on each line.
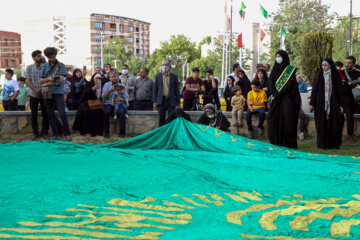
(285,103)
(32,76)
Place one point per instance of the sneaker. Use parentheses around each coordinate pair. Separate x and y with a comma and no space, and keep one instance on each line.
(236,124)
(115,117)
(107,135)
(250,134)
(259,131)
(68,138)
(35,137)
(301,136)
(126,115)
(351,138)
(121,135)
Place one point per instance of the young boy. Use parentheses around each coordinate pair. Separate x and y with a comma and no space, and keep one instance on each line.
(237,104)
(120,93)
(23,94)
(11,91)
(256,104)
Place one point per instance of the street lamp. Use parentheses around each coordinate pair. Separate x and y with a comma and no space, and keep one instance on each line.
(101,42)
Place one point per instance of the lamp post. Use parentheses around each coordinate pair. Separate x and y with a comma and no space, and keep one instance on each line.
(350,27)
(101,42)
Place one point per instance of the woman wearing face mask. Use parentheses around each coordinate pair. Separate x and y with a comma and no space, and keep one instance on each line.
(284,101)
(214,118)
(327,103)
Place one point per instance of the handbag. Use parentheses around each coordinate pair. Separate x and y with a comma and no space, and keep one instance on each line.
(356,92)
(46,91)
(96,104)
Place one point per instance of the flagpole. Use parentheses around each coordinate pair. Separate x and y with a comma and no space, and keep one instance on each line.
(280,37)
(224,44)
(230,40)
(241,57)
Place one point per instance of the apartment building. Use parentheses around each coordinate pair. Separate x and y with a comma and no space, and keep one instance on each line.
(10,49)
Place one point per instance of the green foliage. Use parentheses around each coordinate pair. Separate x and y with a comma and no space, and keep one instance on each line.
(341,37)
(135,65)
(298,18)
(118,50)
(314,48)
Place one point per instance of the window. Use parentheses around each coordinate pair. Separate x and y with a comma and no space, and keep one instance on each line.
(12,63)
(13,52)
(130,40)
(99,25)
(138,40)
(130,28)
(98,61)
(12,42)
(6,62)
(5,43)
(113,27)
(121,26)
(98,37)
(137,51)
(137,29)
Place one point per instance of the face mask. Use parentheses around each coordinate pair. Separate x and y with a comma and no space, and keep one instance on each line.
(279,60)
(207,78)
(211,116)
(165,68)
(125,71)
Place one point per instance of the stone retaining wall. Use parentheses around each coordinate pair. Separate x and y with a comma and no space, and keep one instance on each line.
(139,122)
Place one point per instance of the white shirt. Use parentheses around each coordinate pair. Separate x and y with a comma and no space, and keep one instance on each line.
(10,87)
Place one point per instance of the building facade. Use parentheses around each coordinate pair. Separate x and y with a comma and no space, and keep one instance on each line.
(78,38)
(10,51)
(136,34)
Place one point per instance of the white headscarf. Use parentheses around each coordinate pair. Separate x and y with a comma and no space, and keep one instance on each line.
(328,88)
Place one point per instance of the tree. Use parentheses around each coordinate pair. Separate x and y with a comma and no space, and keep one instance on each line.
(341,37)
(314,48)
(118,49)
(299,17)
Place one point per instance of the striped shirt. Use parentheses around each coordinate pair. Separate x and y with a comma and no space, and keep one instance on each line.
(44,73)
(33,74)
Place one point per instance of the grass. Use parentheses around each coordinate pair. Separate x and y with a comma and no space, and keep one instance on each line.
(308,145)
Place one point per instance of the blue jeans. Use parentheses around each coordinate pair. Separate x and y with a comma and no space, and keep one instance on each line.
(108,110)
(58,102)
(249,114)
(117,105)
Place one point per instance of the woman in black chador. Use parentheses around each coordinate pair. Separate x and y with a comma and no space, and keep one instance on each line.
(285,103)
(327,103)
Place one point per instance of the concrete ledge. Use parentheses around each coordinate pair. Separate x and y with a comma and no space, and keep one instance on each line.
(139,122)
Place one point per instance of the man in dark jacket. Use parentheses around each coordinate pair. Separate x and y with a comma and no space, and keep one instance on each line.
(166,92)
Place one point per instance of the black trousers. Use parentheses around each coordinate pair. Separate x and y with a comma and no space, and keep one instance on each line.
(349,111)
(302,120)
(108,110)
(143,105)
(10,105)
(35,103)
(162,109)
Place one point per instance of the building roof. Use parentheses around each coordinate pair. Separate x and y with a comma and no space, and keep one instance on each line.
(13,34)
(106,15)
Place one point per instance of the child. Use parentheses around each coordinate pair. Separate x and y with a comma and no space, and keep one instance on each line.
(237,103)
(23,94)
(256,102)
(120,93)
(11,91)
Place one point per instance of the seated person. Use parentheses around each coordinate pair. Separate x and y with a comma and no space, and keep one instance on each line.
(256,101)
(214,118)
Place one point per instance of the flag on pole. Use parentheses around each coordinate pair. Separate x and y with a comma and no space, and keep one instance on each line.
(283,32)
(242,10)
(263,12)
(262,35)
(228,23)
(225,9)
(240,43)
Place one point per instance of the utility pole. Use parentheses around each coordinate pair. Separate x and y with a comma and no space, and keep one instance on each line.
(230,39)
(101,42)
(116,63)
(350,27)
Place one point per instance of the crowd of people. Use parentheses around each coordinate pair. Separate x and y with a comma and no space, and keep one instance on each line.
(110,94)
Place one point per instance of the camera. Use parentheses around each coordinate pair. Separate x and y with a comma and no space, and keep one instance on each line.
(57,81)
(354,83)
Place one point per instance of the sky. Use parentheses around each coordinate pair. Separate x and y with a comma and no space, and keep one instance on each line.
(194,18)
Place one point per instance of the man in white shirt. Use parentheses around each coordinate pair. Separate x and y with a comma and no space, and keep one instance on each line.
(11,92)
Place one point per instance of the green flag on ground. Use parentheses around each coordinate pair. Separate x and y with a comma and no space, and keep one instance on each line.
(263,12)
(283,32)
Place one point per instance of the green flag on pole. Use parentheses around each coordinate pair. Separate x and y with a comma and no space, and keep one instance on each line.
(242,10)
(263,12)
(283,32)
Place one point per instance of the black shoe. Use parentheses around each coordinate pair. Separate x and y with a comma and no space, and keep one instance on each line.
(45,136)
(35,137)
(121,135)
(107,135)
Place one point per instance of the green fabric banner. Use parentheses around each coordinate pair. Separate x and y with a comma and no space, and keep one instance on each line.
(181,181)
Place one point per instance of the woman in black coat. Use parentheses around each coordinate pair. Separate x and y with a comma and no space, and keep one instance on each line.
(228,93)
(88,121)
(327,99)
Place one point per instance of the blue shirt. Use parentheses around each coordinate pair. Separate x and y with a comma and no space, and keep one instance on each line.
(44,73)
(106,88)
(303,87)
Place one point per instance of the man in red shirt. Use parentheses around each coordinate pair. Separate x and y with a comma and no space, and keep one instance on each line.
(193,85)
